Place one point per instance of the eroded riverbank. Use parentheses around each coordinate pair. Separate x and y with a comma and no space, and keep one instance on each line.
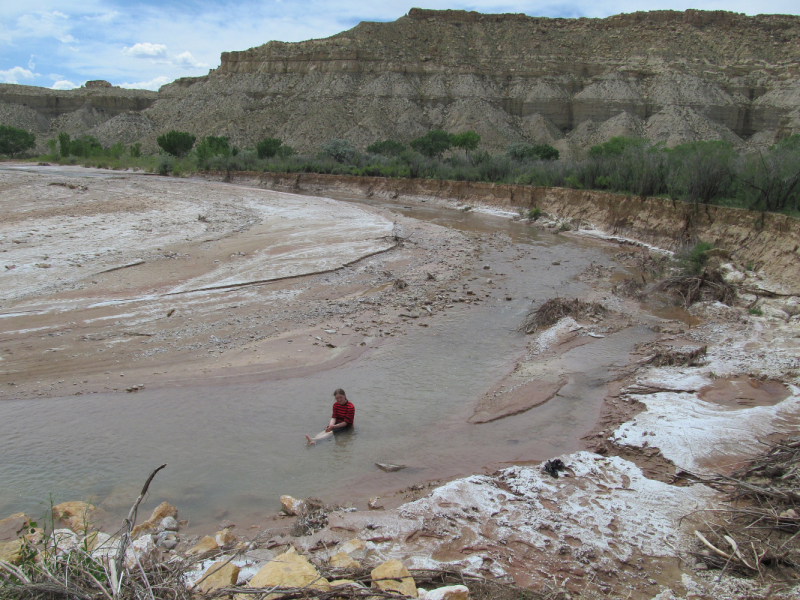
(418,310)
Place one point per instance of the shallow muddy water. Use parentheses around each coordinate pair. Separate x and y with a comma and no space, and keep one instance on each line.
(234,445)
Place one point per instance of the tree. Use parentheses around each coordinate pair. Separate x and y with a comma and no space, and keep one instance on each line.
(212,146)
(268,147)
(433,143)
(176,143)
(615,146)
(386,148)
(339,150)
(136,150)
(63,142)
(13,140)
(522,151)
(467,141)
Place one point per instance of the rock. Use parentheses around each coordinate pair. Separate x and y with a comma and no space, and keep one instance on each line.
(374,503)
(64,540)
(169,524)
(340,560)
(292,506)
(219,575)
(95,539)
(393,576)
(353,546)
(76,515)
(289,570)
(451,592)
(163,510)
(225,539)
(206,547)
(12,525)
(10,552)
(140,551)
(389,467)
(104,547)
(166,539)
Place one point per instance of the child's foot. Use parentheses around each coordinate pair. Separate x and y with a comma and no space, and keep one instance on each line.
(310,441)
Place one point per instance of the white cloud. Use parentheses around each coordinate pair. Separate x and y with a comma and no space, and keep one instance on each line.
(153,84)
(44,24)
(31,64)
(63,84)
(14,74)
(187,61)
(146,50)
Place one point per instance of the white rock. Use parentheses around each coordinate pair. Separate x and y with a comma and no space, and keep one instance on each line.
(451,592)
(169,524)
(140,551)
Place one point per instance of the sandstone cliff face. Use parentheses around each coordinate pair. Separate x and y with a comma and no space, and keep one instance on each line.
(671,76)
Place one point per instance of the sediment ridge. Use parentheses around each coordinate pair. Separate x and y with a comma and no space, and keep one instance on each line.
(765,241)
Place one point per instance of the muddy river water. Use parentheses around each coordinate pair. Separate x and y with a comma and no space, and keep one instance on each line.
(233,445)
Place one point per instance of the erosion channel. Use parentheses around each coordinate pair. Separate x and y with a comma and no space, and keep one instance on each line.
(189,355)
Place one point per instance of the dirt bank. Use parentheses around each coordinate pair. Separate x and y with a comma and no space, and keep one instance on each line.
(765,241)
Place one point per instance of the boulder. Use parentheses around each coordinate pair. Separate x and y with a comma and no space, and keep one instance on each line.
(64,540)
(11,552)
(340,560)
(225,539)
(102,546)
(451,592)
(219,575)
(166,539)
(165,509)
(169,524)
(139,551)
(292,506)
(11,526)
(289,570)
(76,515)
(206,547)
(393,576)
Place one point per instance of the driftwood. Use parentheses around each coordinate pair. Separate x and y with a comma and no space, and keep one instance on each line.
(555,309)
(707,286)
(758,531)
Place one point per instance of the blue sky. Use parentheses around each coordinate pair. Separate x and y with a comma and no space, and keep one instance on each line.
(147,43)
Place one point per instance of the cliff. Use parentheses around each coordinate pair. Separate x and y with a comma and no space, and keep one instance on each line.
(667,75)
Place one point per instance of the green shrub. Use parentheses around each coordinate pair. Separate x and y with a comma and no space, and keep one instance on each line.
(339,150)
(268,147)
(176,143)
(386,148)
(693,259)
(52,145)
(467,141)
(534,214)
(522,151)
(433,143)
(285,151)
(756,311)
(85,146)
(211,146)
(572,182)
(615,146)
(15,141)
(136,150)
(63,141)
(165,164)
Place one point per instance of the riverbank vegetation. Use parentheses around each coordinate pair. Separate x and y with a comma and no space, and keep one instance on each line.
(702,173)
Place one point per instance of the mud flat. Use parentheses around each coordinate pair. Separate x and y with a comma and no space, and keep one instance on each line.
(611,525)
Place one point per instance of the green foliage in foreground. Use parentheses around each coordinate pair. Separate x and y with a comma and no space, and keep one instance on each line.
(15,141)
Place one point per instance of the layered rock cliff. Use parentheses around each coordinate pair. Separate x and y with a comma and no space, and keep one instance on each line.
(667,75)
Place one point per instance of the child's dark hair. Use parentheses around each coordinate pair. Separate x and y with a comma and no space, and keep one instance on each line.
(338,391)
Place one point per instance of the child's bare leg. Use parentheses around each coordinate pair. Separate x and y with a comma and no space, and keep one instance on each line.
(320,436)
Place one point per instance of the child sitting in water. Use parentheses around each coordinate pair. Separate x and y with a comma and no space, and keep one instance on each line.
(342,418)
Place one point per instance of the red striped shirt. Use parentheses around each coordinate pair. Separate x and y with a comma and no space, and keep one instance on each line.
(344,412)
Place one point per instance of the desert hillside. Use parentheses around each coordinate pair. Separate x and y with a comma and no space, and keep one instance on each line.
(666,75)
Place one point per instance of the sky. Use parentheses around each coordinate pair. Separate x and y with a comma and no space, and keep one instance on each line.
(61,44)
